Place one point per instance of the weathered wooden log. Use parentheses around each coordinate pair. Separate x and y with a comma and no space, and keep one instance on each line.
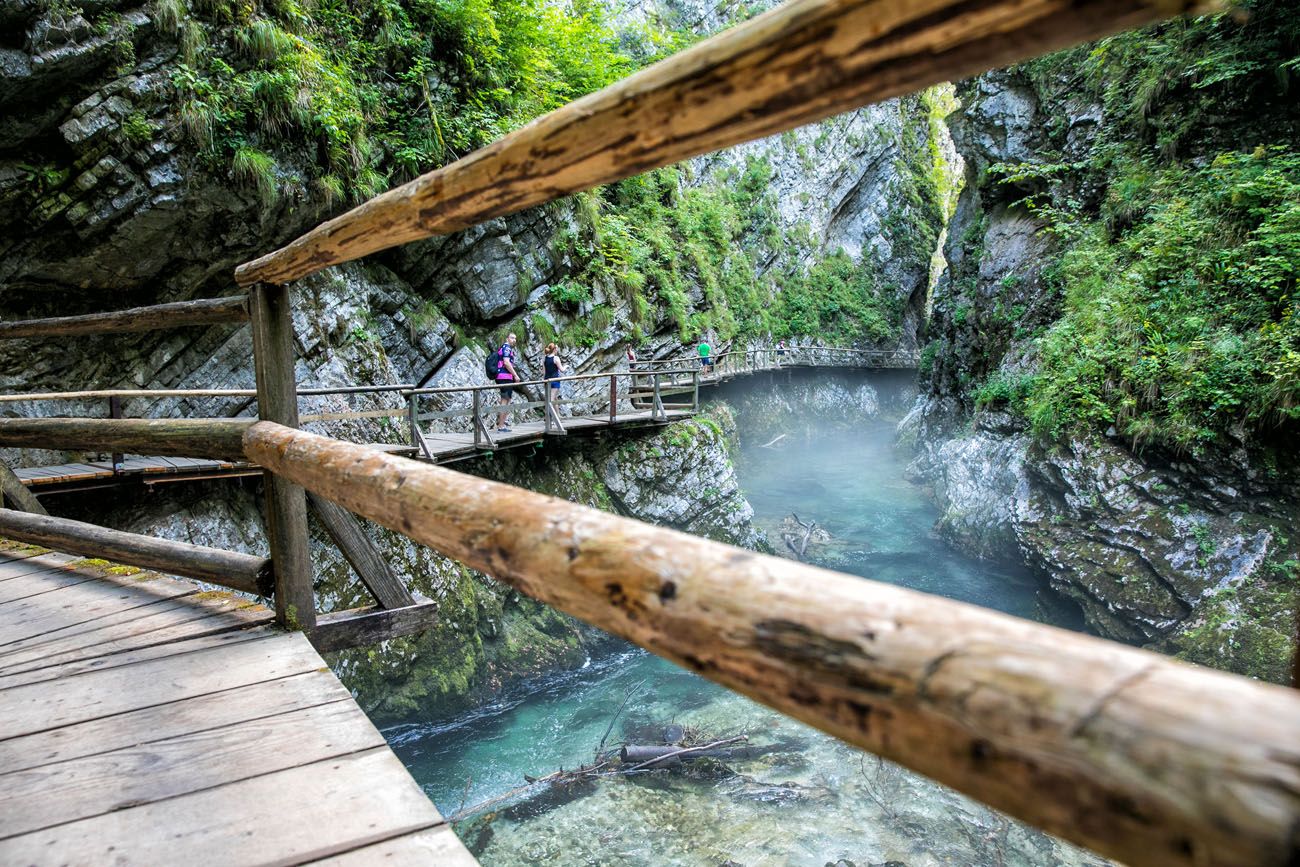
(669,754)
(286,503)
(359,551)
(1138,756)
(801,62)
(359,627)
(206,311)
(242,572)
(216,438)
(16,493)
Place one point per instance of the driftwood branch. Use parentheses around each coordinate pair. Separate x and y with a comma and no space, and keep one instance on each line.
(800,551)
(677,753)
(631,691)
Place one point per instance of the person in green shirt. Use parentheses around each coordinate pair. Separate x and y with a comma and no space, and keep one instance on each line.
(705,365)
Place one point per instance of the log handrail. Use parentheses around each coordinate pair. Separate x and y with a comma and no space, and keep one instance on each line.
(156,317)
(798,63)
(1132,754)
(243,572)
(217,438)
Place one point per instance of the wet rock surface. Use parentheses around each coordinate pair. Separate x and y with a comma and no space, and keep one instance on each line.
(1185,554)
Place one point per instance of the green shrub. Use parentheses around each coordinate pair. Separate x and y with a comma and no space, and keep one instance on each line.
(1002,389)
(137,128)
(569,293)
(167,15)
(1187,323)
(263,40)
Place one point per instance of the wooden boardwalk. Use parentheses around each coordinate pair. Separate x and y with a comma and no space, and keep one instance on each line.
(450,446)
(149,470)
(444,447)
(144,721)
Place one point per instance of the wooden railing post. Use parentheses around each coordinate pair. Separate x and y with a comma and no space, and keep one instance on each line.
(286,504)
(613,397)
(695,383)
(477,410)
(413,415)
(16,493)
(115,411)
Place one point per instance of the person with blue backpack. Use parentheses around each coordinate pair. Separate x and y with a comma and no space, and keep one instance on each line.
(501,368)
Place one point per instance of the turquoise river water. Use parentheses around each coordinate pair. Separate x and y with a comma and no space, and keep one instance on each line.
(799,797)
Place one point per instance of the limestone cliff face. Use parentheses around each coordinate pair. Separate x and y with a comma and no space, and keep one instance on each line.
(1184,553)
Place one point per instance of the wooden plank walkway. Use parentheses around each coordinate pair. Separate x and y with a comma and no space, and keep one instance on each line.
(154,468)
(144,721)
(448,446)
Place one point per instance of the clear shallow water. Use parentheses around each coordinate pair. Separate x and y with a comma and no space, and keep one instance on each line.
(804,798)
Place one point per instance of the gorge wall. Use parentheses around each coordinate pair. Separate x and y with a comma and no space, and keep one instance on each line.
(1110,381)
(147,149)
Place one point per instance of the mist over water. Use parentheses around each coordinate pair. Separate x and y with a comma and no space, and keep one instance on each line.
(803,798)
(847,475)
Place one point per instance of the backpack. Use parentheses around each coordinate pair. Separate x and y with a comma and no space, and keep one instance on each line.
(492,365)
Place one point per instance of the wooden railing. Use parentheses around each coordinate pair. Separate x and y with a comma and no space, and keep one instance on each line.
(1137,756)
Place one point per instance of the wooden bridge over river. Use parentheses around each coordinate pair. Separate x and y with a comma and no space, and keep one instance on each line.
(147,720)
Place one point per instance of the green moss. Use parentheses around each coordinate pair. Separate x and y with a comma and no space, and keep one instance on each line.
(1249,631)
(137,128)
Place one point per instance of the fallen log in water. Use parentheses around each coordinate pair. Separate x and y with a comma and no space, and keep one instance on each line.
(641,757)
(664,756)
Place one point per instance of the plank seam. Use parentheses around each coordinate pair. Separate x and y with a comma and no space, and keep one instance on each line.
(388,839)
(140,661)
(312,856)
(147,706)
(53,662)
(84,579)
(141,743)
(146,801)
(53,673)
(159,601)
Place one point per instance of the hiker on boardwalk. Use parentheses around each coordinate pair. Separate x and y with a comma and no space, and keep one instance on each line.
(506,374)
(706,366)
(552,368)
